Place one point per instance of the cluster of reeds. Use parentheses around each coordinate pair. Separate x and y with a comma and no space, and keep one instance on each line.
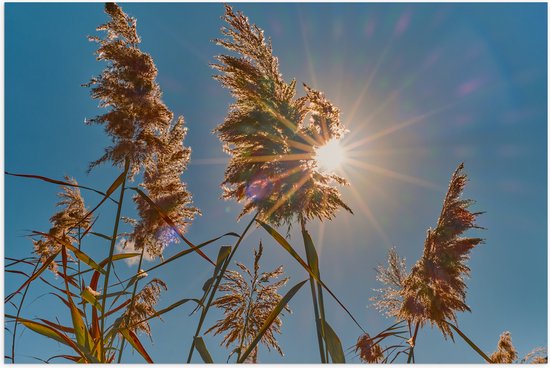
(271,137)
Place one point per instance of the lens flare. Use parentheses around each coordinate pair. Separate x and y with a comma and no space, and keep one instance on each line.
(330,156)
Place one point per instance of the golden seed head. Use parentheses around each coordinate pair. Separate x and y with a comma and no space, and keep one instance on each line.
(268,135)
(369,352)
(248,302)
(435,289)
(506,352)
(66,224)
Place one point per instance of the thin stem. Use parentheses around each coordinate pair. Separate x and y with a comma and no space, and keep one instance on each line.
(215,288)
(470,342)
(18,313)
(413,344)
(111,251)
(80,275)
(133,299)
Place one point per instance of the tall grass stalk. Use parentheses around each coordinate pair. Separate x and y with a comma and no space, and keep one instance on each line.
(111,252)
(19,308)
(133,300)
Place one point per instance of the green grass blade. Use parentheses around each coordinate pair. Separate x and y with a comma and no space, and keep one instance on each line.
(100,235)
(167,309)
(83,337)
(58,326)
(78,253)
(171,223)
(203,351)
(313,263)
(334,345)
(270,318)
(90,298)
(311,253)
(187,251)
(136,344)
(59,182)
(48,331)
(54,334)
(44,266)
(282,241)
(215,287)
(118,181)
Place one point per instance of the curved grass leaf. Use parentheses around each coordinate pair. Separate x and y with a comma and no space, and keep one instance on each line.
(167,309)
(169,221)
(215,287)
(334,345)
(22,260)
(122,305)
(136,344)
(316,296)
(270,318)
(52,333)
(106,237)
(90,298)
(56,288)
(59,182)
(203,351)
(118,181)
(78,253)
(282,241)
(73,358)
(37,273)
(17,272)
(187,251)
(83,337)
(58,326)
(89,228)
(311,253)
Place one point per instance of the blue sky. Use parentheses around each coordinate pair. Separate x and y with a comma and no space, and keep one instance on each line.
(421,87)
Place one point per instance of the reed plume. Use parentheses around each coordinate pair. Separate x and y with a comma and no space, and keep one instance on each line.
(369,351)
(135,317)
(246,306)
(506,352)
(267,134)
(66,224)
(163,184)
(127,86)
(536,356)
(435,289)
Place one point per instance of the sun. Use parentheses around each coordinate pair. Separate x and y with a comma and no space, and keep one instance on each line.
(330,156)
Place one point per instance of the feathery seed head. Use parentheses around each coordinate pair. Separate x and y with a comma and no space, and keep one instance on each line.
(506,352)
(127,86)
(163,184)
(536,356)
(66,223)
(247,304)
(369,352)
(143,307)
(435,289)
(389,299)
(266,133)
